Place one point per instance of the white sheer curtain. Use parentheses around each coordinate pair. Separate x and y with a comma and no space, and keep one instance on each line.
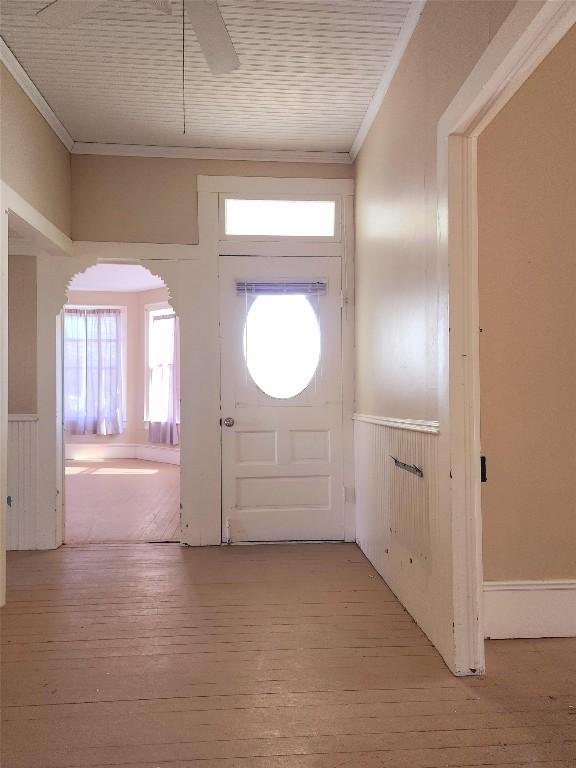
(163,378)
(93,402)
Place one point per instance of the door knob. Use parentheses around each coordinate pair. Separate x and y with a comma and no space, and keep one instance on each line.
(228,421)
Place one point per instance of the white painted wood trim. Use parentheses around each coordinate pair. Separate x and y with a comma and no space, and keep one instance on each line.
(285,247)
(19,74)
(3,388)
(260,186)
(165,454)
(414,425)
(523,586)
(524,39)
(22,513)
(348,367)
(398,523)
(99,451)
(46,235)
(206,153)
(408,28)
(514,609)
(22,417)
(130,253)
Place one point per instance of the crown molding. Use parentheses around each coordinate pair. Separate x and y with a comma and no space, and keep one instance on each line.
(139,150)
(408,28)
(207,153)
(22,78)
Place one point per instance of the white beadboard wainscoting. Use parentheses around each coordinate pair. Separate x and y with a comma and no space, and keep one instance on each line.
(166,454)
(22,485)
(530,609)
(396,511)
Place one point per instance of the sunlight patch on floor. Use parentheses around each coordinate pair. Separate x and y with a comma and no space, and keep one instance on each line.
(122,500)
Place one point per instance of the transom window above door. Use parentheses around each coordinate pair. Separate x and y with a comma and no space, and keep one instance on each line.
(260,219)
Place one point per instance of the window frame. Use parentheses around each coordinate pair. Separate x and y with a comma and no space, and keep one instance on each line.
(123,343)
(148,308)
(335,238)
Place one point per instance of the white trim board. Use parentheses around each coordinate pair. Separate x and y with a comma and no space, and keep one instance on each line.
(516,609)
(414,425)
(165,454)
(22,78)
(208,153)
(261,186)
(528,33)
(22,417)
(32,224)
(134,253)
(408,28)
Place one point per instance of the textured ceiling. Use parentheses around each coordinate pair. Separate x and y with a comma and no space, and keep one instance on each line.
(308,72)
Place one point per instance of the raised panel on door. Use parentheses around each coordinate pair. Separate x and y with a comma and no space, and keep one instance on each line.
(282,456)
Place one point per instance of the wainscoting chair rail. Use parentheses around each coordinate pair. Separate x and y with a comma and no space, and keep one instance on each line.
(414,425)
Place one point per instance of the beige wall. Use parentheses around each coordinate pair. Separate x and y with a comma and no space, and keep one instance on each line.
(117,199)
(22,334)
(527,239)
(396,211)
(33,161)
(153,200)
(134,381)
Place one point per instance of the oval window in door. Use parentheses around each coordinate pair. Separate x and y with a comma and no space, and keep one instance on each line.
(282,344)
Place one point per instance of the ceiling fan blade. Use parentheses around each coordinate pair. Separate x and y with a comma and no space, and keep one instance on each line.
(212,36)
(63,13)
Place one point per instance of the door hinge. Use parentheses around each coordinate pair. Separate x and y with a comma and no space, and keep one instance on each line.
(349,494)
(483,475)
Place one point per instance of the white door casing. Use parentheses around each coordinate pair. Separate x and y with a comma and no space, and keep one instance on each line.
(282,459)
(527,35)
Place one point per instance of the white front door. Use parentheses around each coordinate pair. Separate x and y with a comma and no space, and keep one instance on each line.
(281,399)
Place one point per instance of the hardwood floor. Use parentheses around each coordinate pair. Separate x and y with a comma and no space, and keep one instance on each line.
(256,657)
(122,500)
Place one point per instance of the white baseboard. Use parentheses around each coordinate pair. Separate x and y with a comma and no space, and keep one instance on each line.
(529,609)
(166,454)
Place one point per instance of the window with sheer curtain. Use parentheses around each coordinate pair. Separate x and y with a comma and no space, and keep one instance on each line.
(93,400)
(163,390)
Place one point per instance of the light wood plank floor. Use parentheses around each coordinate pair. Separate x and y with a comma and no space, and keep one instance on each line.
(122,500)
(160,656)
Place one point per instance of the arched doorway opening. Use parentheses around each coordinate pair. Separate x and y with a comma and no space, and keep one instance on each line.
(120,405)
